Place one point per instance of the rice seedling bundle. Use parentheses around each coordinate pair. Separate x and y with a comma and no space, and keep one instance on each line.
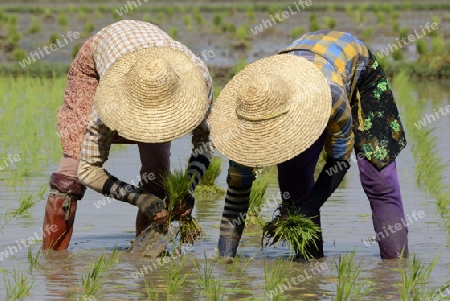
(296,229)
(177,185)
(207,184)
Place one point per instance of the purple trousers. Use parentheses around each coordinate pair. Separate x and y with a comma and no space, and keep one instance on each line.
(296,176)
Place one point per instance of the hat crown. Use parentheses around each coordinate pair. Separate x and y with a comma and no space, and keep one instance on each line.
(152,82)
(263,98)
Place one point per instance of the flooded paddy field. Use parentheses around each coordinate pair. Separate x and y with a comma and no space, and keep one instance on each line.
(257,274)
(96,265)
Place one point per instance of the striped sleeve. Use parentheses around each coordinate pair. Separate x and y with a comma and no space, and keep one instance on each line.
(339,137)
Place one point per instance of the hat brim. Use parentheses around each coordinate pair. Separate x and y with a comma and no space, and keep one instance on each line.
(276,140)
(159,123)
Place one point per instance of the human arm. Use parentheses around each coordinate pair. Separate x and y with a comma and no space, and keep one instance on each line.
(339,141)
(95,151)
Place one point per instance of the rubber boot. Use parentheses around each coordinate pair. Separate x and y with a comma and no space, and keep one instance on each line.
(233,221)
(237,199)
(60,211)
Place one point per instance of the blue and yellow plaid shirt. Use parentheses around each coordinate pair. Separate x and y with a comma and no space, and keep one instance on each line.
(341,58)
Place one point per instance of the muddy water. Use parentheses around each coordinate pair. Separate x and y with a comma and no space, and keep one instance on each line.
(346,222)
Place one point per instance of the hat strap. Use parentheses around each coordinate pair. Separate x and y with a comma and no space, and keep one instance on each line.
(266,117)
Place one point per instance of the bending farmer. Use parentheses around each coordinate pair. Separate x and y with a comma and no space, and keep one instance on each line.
(326,89)
(129,83)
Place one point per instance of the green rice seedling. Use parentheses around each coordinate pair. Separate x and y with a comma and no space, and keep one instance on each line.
(53,38)
(275,275)
(357,16)
(430,167)
(89,27)
(26,201)
(198,17)
(174,276)
(13,20)
(62,20)
(82,16)
(380,17)
(177,185)
(188,22)
(14,37)
(348,9)
(415,278)
(349,285)
(257,194)
(35,25)
(394,15)
(230,27)
(151,290)
(404,32)
(48,13)
(395,26)
(116,15)
(33,260)
(331,8)
(218,20)
(447,16)
(18,288)
(102,9)
(160,17)
(438,46)
(437,20)
(75,50)
(173,32)
(296,32)
(207,282)
(251,13)
(295,229)
(242,33)
(313,23)
(182,9)
(19,54)
(422,47)
(146,18)
(387,8)
(170,10)
(2,14)
(273,8)
(330,22)
(207,183)
(367,33)
(397,54)
(90,280)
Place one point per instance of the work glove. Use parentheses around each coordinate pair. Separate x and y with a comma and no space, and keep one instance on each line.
(149,204)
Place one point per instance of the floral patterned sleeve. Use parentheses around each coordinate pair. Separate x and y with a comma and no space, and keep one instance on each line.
(381,135)
(339,138)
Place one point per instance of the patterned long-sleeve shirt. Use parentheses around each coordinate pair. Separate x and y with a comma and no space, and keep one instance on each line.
(106,47)
(368,122)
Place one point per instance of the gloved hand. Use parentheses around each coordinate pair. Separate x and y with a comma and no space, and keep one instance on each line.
(149,204)
(185,207)
(310,208)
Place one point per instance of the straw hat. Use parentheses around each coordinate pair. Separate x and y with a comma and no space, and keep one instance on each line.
(271,111)
(152,95)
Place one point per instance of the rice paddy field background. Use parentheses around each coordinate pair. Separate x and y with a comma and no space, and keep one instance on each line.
(225,35)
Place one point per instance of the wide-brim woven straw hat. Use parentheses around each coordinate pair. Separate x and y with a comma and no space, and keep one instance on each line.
(271,111)
(152,95)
